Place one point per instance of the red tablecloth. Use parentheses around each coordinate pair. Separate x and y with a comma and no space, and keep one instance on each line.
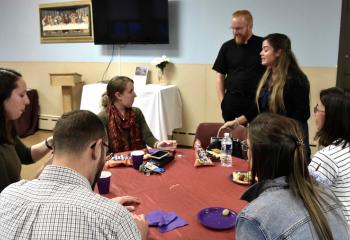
(184,189)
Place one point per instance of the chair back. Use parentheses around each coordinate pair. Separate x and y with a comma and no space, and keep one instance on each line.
(207,130)
(239,132)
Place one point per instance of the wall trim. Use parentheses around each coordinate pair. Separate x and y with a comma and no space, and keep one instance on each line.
(47,122)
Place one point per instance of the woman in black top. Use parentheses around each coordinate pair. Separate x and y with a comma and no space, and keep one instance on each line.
(284,88)
(13,153)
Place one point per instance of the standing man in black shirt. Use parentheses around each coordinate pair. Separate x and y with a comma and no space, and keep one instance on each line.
(238,67)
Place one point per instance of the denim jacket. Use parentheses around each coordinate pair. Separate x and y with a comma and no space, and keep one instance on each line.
(274,212)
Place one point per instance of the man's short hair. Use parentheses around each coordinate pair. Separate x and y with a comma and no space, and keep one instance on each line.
(244,13)
(75,130)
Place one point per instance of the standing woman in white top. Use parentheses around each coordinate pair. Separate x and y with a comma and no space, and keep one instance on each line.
(331,164)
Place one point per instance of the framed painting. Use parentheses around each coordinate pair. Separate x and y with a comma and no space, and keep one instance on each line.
(66,22)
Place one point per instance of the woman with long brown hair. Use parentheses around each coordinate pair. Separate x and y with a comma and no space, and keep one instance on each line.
(284,201)
(13,153)
(283,89)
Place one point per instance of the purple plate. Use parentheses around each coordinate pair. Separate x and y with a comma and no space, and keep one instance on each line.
(213,218)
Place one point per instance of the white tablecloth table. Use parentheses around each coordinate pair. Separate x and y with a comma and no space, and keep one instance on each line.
(161,106)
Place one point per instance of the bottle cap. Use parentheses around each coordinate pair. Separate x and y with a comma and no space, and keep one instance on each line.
(226,134)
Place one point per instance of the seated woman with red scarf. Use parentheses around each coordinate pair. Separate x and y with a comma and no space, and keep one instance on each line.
(126,126)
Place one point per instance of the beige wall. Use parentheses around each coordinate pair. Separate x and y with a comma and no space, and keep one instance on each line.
(196,83)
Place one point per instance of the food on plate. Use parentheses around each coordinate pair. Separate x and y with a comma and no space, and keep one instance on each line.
(225,212)
(242,177)
(215,150)
(214,154)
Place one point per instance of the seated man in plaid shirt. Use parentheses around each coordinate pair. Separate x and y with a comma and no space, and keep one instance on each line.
(60,204)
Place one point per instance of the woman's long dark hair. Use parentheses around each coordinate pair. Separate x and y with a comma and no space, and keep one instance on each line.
(276,144)
(336,127)
(8,82)
(285,62)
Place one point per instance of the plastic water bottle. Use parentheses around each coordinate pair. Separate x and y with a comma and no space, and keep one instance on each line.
(226,151)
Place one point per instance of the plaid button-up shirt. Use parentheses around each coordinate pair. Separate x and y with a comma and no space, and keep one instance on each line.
(61,205)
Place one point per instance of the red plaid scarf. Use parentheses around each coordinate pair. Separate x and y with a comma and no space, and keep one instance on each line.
(116,127)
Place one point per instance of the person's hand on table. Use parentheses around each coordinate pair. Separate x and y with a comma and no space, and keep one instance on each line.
(168,144)
(229,124)
(142,225)
(127,201)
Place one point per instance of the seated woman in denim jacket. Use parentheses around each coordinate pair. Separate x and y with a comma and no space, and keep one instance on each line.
(285,203)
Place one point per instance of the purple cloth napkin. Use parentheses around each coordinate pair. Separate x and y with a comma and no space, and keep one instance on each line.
(165,221)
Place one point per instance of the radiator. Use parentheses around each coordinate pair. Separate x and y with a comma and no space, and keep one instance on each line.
(183,138)
(47,122)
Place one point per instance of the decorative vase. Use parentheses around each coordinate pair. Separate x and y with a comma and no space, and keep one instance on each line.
(162,78)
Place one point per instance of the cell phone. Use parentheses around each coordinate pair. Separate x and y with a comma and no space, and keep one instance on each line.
(159,154)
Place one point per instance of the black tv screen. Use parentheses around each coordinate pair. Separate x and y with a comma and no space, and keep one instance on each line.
(130,21)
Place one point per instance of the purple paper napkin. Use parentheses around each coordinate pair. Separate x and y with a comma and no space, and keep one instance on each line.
(176,223)
(165,221)
(154,150)
(159,218)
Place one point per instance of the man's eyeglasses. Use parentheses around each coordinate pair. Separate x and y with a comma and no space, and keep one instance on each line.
(316,109)
(103,143)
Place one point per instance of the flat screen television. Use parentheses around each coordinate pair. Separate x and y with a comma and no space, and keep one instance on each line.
(130,21)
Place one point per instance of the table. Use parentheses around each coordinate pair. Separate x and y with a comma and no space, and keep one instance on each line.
(185,190)
(161,106)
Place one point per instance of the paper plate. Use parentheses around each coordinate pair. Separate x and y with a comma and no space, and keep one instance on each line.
(236,180)
(213,218)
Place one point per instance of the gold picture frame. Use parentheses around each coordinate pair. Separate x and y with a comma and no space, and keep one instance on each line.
(66,22)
